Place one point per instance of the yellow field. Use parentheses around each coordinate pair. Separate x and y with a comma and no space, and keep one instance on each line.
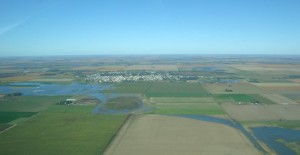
(170,135)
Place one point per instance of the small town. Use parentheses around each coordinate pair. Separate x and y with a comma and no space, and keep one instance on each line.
(131,77)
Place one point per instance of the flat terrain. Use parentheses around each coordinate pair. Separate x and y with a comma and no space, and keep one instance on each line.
(176,89)
(237,88)
(152,67)
(186,105)
(164,135)
(279,99)
(28,103)
(262,112)
(61,130)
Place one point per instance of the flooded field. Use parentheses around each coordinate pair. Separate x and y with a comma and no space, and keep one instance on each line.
(38,89)
(278,139)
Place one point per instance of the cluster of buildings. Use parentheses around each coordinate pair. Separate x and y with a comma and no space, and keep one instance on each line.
(120,77)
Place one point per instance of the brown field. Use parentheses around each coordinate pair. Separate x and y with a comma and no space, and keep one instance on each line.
(239,88)
(262,112)
(271,67)
(26,77)
(164,135)
(295,80)
(279,99)
(100,68)
(277,84)
(152,67)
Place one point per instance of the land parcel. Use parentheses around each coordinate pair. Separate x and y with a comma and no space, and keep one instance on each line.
(186,105)
(62,130)
(169,135)
(236,88)
(262,112)
(176,89)
(288,91)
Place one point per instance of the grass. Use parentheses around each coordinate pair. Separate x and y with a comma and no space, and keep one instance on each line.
(87,109)
(176,89)
(62,130)
(28,103)
(4,126)
(56,129)
(6,117)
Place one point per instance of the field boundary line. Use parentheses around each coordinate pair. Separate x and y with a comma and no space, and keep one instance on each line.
(115,139)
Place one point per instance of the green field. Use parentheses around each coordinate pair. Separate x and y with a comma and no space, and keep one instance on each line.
(243,98)
(61,133)
(4,126)
(188,108)
(62,130)
(182,99)
(28,103)
(56,129)
(6,117)
(176,89)
(186,105)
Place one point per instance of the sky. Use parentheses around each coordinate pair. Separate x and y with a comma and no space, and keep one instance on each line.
(103,27)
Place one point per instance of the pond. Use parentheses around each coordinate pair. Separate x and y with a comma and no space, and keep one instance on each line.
(271,135)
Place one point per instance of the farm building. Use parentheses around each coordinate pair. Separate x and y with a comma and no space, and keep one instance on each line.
(70,101)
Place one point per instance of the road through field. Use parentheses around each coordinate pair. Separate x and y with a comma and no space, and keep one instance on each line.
(163,135)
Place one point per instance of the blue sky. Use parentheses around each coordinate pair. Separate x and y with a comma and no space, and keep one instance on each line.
(82,27)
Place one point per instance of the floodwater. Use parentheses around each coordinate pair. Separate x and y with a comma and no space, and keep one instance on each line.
(50,89)
(38,89)
(270,135)
(227,122)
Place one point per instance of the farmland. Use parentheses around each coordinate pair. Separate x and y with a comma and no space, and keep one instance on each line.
(28,103)
(139,108)
(61,133)
(176,90)
(186,105)
(175,135)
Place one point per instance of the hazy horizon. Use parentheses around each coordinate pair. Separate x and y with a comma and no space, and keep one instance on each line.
(143,27)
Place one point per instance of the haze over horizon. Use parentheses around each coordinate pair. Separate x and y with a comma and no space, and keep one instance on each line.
(91,27)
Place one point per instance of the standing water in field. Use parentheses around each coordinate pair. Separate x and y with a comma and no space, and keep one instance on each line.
(39,89)
(277,138)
